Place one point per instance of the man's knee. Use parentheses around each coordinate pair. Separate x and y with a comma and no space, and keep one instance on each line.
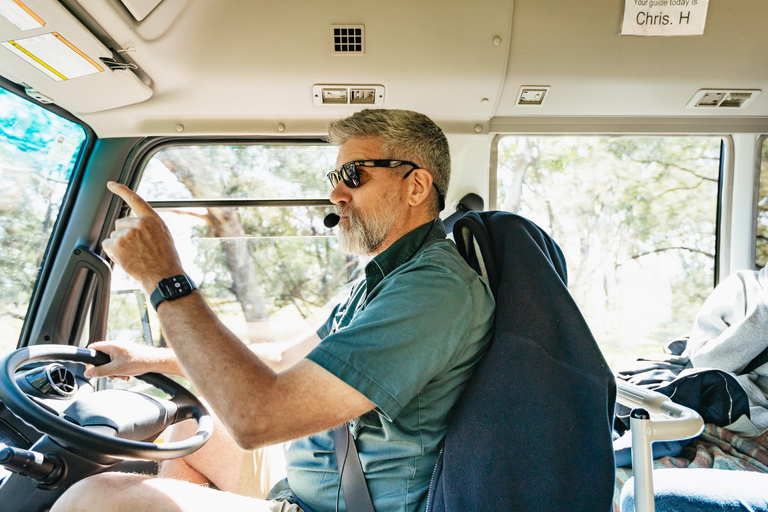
(89,494)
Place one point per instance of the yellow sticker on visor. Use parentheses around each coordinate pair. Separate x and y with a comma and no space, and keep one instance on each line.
(54,56)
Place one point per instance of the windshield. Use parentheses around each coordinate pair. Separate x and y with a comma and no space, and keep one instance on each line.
(38,152)
(269,269)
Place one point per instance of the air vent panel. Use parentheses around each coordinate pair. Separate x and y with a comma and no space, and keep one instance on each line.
(723,98)
(345,94)
(348,39)
(53,381)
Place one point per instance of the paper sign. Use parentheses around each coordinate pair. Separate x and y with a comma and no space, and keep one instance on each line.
(20,15)
(54,56)
(664,17)
(63,148)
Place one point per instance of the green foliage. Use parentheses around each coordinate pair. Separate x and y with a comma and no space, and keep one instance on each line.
(276,262)
(635,216)
(38,151)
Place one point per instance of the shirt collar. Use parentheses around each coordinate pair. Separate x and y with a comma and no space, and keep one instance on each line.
(401,251)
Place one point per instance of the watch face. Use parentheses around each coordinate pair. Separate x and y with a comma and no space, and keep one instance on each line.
(174,287)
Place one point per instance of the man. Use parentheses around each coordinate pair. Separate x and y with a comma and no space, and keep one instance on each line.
(393,358)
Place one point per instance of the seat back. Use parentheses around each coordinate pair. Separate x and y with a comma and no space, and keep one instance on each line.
(532,430)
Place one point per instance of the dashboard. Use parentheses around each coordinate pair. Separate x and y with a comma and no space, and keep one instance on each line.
(54,386)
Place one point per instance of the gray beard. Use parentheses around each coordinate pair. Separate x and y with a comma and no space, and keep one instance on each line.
(364,235)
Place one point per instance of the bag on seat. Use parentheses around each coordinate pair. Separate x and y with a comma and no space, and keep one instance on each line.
(532,430)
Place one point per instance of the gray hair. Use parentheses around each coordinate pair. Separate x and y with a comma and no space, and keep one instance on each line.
(406,135)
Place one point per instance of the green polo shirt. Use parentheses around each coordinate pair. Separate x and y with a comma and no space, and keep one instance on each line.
(407,338)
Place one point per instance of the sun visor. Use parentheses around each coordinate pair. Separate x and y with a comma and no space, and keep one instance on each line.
(44,46)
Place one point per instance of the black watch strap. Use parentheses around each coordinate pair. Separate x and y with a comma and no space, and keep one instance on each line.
(171,288)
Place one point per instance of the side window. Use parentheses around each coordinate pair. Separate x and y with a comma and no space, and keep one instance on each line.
(635,217)
(38,153)
(761,240)
(248,225)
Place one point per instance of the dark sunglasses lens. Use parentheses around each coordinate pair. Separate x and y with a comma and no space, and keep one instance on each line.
(349,175)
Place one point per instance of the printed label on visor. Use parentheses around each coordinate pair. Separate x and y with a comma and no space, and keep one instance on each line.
(20,15)
(54,56)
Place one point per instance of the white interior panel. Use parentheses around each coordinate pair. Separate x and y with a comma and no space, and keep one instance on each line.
(237,66)
(435,57)
(576,49)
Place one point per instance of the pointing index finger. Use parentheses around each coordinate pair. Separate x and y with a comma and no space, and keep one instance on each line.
(132,199)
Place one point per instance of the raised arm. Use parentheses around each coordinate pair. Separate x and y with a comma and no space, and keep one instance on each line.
(258,405)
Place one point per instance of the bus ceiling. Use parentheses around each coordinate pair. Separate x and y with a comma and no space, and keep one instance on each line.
(235,66)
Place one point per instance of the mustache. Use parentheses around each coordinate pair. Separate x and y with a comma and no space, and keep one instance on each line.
(346,211)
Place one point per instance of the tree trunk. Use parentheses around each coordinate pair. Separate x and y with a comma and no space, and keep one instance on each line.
(522,161)
(224,223)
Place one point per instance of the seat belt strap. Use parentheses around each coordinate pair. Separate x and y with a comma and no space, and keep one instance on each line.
(758,361)
(353,485)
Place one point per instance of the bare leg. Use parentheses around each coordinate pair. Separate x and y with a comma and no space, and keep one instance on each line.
(221,462)
(120,492)
(218,461)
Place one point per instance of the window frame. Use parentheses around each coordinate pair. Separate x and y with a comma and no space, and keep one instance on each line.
(756,197)
(137,162)
(65,211)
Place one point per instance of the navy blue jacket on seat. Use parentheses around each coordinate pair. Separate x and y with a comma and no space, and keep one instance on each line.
(532,430)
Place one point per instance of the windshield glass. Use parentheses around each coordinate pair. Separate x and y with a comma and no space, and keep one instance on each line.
(38,152)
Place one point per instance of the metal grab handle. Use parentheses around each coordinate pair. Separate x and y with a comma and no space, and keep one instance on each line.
(654,418)
(673,421)
(83,267)
(103,274)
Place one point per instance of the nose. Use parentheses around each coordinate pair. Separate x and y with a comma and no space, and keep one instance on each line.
(340,194)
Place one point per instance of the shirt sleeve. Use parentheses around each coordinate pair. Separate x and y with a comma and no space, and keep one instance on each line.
(325,329)
(413,329)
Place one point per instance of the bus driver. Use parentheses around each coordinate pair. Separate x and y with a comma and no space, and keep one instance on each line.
(391,360)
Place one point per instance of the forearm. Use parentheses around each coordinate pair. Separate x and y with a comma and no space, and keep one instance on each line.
(168,364)
(286,357)
(220,366)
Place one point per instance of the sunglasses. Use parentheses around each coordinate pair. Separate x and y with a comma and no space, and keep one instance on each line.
(348,173)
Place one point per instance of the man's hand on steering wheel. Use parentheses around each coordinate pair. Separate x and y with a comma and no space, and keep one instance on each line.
(131,359)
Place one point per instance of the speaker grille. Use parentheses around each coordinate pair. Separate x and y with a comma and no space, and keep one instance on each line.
(348,39)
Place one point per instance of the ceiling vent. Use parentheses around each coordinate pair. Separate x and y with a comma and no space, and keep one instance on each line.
(347,95)
(723,98)
(348,39)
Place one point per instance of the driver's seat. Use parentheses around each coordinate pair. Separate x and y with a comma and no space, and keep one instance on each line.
(532,430)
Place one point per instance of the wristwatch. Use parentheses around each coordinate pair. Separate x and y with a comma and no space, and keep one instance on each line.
(171,288)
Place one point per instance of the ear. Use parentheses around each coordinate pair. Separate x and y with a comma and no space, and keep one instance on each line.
(419,187)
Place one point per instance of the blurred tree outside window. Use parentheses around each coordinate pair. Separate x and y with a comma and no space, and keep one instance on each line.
(761,240)
(38,152)
(636,220)
(271,273)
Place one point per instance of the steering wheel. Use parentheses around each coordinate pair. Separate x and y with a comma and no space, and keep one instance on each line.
(182,405)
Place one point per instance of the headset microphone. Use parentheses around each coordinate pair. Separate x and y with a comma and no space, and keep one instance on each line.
(331,220)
